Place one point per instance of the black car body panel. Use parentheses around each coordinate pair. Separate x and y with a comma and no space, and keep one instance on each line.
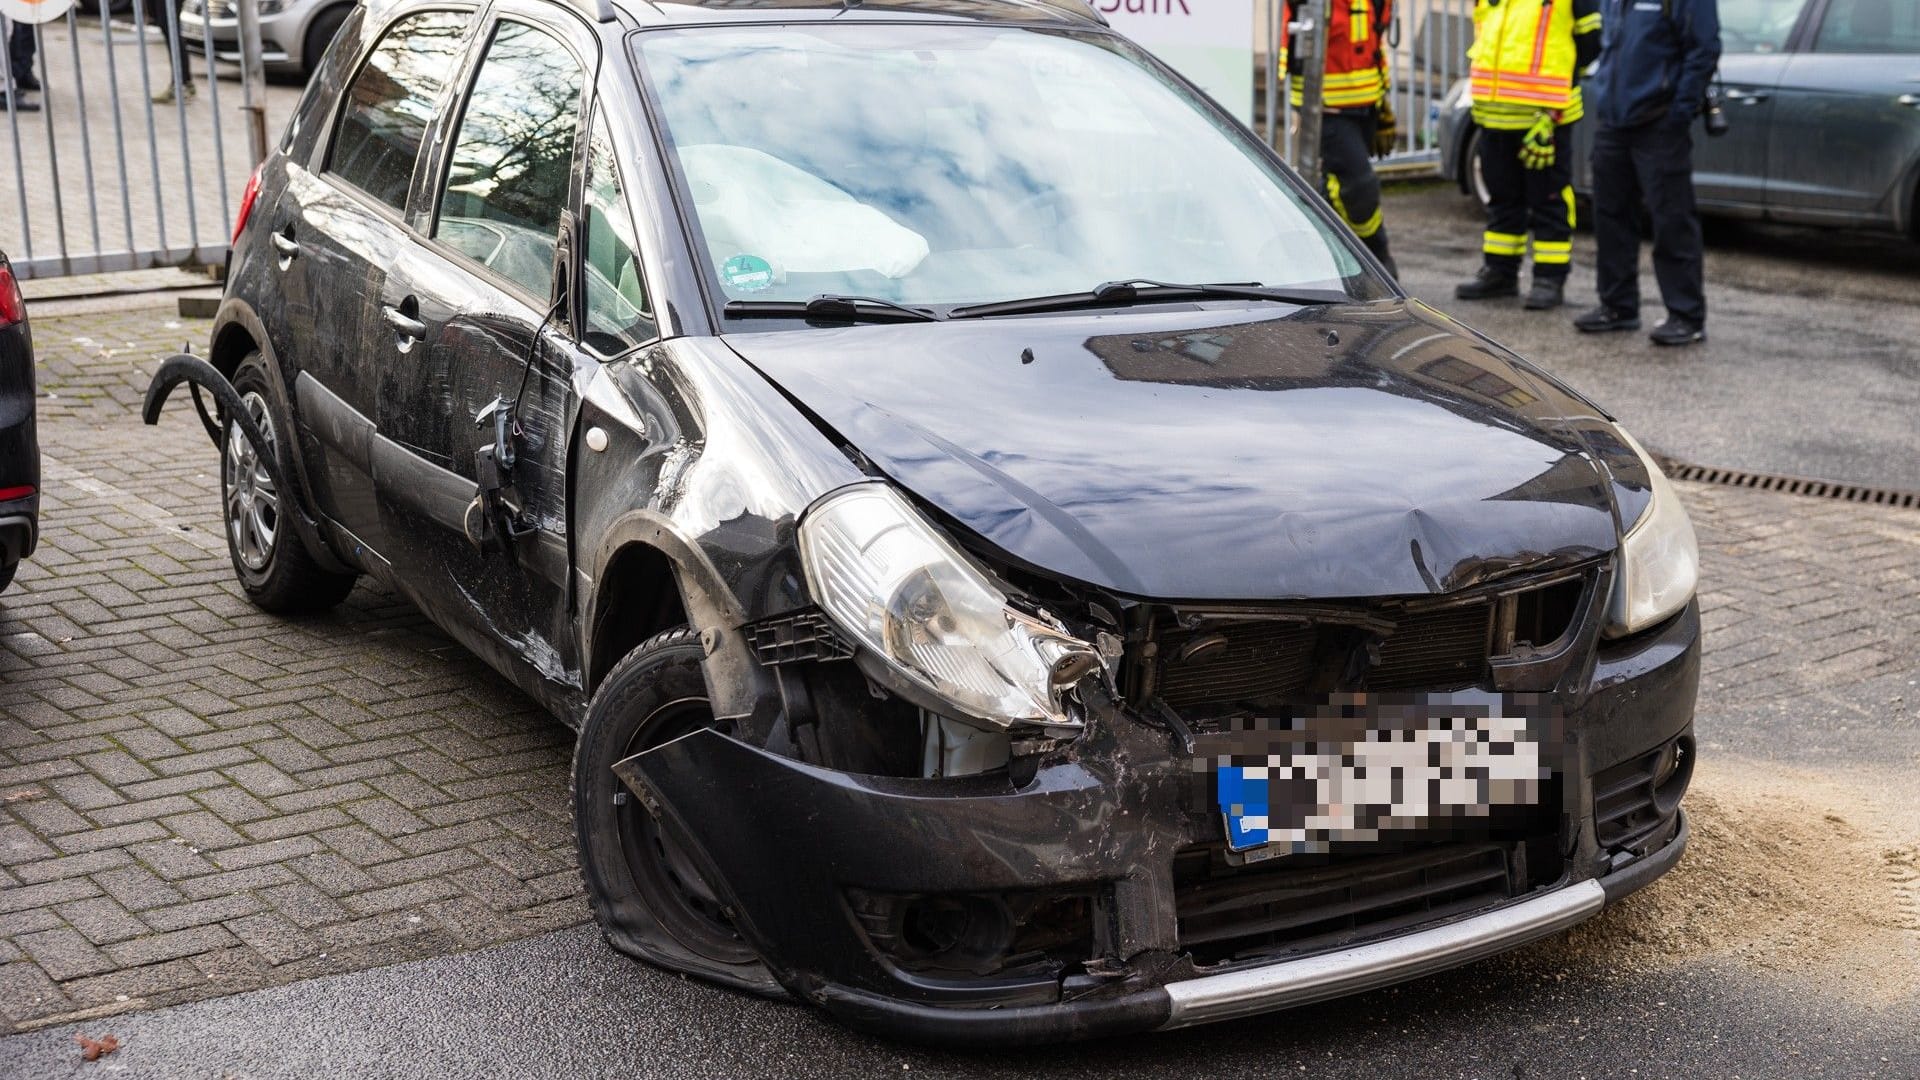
(19,442)
(1260,472)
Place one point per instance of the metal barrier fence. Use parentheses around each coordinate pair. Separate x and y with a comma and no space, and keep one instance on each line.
(1427,55)
(107,179)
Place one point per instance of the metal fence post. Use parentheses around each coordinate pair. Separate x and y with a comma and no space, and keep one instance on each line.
(253,79)
(1310,41)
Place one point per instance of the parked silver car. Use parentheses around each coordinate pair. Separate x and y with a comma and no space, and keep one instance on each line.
(1824,101)
(293,33)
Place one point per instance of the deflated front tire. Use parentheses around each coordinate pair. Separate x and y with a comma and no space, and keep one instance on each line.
(646,892)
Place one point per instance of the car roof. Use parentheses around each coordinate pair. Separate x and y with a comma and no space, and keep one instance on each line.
(656,12)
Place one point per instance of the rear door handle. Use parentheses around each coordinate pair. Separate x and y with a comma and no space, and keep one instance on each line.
(403,324)
(1747,97)
(285,245)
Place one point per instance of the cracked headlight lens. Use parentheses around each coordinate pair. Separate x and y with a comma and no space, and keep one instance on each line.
(893,581)
(1659,558)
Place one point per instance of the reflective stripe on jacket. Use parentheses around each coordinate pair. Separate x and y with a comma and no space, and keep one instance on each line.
(1524,52)
(1356,75)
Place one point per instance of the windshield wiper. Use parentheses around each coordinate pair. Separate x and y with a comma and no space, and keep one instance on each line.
(830,307)
(1148,291)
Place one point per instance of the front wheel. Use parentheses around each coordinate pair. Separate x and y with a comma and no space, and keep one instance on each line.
(275,569)
(645,889)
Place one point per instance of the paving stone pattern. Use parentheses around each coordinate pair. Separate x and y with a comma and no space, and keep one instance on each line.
(200,798)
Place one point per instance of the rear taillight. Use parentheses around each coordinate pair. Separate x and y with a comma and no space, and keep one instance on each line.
(13,307)
(246,202)
(8,494)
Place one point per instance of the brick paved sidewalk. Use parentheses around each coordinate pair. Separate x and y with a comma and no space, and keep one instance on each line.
(199,798)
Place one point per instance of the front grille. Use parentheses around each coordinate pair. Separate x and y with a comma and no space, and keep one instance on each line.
(1229,913)
(1204,663)
(1246,662)
(1447,647)
(1634,798)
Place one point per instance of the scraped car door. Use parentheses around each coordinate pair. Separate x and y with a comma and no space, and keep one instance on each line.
(345,227)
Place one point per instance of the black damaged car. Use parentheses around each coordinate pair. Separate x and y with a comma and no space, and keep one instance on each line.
(19,445)
(1019,568)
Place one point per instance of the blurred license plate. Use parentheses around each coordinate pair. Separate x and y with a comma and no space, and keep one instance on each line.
(1354,769)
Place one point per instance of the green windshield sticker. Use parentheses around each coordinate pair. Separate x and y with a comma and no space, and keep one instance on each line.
(749,273)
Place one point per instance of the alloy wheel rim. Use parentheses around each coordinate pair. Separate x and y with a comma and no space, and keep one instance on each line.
(253,504)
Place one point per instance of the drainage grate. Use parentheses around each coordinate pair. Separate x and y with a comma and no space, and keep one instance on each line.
(1792,485)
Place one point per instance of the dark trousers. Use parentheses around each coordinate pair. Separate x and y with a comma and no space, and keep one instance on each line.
(1522,200)
(169,24)
(1346,153)
(1654,164)
(20,50)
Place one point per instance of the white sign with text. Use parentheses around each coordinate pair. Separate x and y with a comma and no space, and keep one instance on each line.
(1208,41)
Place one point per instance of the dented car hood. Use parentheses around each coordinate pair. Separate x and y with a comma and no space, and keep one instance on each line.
(1251,453)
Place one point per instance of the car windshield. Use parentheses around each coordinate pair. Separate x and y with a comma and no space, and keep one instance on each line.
(942,165)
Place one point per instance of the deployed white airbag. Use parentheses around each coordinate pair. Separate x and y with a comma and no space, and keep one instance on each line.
(752,203)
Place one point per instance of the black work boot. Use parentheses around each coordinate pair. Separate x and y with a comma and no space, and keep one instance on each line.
(1488,282)
(1604,319)
(1678,331)
(1546,293)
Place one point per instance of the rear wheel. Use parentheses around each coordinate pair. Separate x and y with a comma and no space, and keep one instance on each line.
(273,566)
(648,895)
(6,576)
(325,27)
(1476,171)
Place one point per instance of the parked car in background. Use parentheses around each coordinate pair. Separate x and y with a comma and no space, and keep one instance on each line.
(293,33)
(1823,98)
(1020,569)
(19,447)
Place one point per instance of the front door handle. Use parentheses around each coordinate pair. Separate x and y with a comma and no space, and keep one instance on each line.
(1747,97)
(285,245)
(403,324)
(1911,101)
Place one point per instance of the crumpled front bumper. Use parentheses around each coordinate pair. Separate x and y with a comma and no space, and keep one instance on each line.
(787,843)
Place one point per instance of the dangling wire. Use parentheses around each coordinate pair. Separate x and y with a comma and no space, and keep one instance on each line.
(526,368)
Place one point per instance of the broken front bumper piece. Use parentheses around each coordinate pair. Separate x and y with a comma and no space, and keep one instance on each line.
(1107,858)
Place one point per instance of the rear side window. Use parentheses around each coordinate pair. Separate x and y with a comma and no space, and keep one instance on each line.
(392,101)
(1870,26)
(618,316)
(512,162)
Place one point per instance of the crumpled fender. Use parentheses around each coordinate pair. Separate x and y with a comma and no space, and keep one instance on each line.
(188,368)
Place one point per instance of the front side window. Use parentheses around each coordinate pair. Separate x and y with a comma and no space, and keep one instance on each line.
(392,101)
(617,316)
(1757,26)
(945,165)
(512,160)
(1870,26)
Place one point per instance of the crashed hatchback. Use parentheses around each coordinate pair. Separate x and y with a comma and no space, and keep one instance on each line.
(1018,567)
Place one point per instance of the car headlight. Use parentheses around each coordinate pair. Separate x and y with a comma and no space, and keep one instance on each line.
(1659,558)
(889,578)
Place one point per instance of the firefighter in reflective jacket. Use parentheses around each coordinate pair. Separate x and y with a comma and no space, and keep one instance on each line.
(1358,123)
(1526,61)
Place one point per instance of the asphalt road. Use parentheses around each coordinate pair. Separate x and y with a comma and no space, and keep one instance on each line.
(564,1005)
(1810,368)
